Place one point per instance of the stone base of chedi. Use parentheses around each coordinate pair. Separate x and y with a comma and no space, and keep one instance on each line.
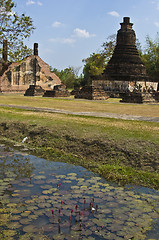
(92,93)
(58,91)
(140,97)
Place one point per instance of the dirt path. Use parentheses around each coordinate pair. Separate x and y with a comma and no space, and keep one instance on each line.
(93,114)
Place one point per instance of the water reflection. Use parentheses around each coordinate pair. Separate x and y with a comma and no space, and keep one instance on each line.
(52,200)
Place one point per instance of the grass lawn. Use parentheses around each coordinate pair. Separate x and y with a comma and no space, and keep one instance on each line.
(120,150)
(80,105)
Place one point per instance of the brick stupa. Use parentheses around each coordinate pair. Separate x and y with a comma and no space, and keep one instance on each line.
(125,71)
(126,64)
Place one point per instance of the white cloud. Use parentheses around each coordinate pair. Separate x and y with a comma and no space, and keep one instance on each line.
(78,33)
(114,14)
(156,3)
(62,40)
(157,24)
(56,24)
(39,3)
(68,40)
(82,33)
(31,2)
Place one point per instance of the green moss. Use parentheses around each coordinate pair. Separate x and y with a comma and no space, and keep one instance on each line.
(124,175)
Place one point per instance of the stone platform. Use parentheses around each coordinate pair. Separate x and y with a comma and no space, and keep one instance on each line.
(34,90)
(58,91)
(92,93)
(140,97)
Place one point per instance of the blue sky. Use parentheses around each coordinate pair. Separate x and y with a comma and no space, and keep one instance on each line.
(70,30)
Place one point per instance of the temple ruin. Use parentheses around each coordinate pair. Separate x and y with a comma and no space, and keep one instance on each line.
(32,72)
(125,75)
(92,93)
(125,67)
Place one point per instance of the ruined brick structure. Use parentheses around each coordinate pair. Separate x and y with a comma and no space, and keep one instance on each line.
(58,91)
(91,93)
(17,77)
(140,97)
(125,70)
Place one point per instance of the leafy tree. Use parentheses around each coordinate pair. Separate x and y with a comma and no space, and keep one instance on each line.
(150,56)
(14,29)
(69,76)
(139,47)
(96,63)
(56,71)
(108,47)
(94,66)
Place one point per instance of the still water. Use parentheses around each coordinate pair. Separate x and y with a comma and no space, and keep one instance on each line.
(41,199)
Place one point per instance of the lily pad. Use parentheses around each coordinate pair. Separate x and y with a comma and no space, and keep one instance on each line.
(47,192)
(45,186)
(39,177)
(30,229)
(25,221)
(14,225)
(32,208)
(9,233)
(44,205)
(33,216)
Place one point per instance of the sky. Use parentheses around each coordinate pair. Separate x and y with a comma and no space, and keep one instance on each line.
(68,31)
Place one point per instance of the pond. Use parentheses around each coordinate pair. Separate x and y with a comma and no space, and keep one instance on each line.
(41,199)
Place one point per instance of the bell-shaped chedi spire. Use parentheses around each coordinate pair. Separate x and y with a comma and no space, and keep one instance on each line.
(125,64)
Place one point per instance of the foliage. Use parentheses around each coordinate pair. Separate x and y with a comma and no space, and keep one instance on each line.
(69,76)
(125,174)
(151,56)
(108,47)
(139,47)
(95,64)
(14,29)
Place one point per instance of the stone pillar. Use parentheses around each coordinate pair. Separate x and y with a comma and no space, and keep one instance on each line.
(36,49)
(5,51)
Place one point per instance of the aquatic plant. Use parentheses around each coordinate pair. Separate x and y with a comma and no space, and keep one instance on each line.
(82,205)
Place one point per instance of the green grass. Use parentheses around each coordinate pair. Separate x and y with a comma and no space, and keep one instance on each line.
(83,125)
(126,175)
(120,150)
(81,105)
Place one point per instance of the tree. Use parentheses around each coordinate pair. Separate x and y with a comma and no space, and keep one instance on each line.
(108,47)
(94,66)
(96,63)
(69,76)
(150,57)
(14,29)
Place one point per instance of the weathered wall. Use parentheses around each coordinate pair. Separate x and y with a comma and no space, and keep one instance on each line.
(92,93)
(124,86)
(108,85)
(32,70)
